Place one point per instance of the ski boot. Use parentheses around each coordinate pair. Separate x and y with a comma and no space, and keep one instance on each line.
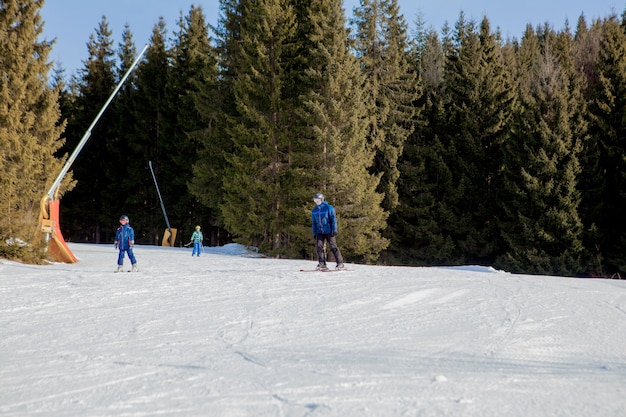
(135,268)
(119,268)
(340,267)
(321,267)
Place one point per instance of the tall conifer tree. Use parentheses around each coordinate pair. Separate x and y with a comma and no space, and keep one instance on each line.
(420,225)
(391,86)
(122,182)
(30,132)
(335,108)
(480,106)
(604,196)
(540,224)
(216,106)
(149,112)
(586,48)
(258,205)
(193,63)
(82,208)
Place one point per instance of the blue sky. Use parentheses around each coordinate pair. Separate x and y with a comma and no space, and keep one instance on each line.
(72,21)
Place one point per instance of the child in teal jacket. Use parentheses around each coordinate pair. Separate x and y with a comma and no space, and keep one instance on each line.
(196,238)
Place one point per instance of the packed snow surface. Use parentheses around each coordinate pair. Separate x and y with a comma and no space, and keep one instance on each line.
(233,334)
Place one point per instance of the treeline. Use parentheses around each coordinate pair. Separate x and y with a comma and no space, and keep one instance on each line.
(436,148)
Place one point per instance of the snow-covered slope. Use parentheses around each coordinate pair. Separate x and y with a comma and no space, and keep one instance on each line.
(231,334)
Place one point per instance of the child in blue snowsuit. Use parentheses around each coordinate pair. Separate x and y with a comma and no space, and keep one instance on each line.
(124,241)
(196,238)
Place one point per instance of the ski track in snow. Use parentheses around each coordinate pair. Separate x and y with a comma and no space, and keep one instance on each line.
(232,334)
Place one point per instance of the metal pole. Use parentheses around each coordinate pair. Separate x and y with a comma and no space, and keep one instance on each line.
(169,229)
(82,142)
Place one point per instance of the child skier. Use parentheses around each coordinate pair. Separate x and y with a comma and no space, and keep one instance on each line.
(124,241)
(196,238)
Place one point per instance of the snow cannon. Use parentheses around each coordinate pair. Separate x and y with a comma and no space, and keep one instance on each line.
(50,203)
(169,236)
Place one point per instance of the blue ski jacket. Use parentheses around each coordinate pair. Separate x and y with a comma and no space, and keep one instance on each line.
(125,237)
(324,219)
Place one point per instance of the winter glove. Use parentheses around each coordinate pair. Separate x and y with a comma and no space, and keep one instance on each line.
(115,245)
(132,243)
(334,233)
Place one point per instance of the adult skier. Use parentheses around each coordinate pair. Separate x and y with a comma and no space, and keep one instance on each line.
(124,241)
(324,225)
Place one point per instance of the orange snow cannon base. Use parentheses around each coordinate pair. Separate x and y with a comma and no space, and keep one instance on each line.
(58,250)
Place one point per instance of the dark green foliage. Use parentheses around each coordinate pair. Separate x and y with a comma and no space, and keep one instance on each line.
(123,181)
(392,88)
(216,106)
(335,109)
(291,125)
(423,225)
(540,222)
(478,108)
(453,162)
(145,119)
(604,197)
(479,150)
(30,130)
(193,66)
(419,226)
(258,203)
(82,215)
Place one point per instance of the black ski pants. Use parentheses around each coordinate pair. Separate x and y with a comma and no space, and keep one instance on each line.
(321,253)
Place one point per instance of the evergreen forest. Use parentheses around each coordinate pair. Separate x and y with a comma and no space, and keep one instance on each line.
(446,146)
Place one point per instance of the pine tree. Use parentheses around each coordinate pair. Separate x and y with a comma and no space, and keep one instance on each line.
(257,206)
(335,108)
(216,107)
(83,206)
(193,62)
(122,182)
(540,225)
(586,49)
(428,56)
(391,86)
(604,198)
(420,234)
(481,102)
(147,131)
(586,53)
(30,129)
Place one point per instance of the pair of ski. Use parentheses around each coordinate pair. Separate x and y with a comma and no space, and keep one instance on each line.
(128,270)
(325,270)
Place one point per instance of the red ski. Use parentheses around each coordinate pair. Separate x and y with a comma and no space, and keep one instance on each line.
(325,270)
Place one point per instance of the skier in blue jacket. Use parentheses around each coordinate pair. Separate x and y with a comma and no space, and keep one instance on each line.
(325,229)
(124,241)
